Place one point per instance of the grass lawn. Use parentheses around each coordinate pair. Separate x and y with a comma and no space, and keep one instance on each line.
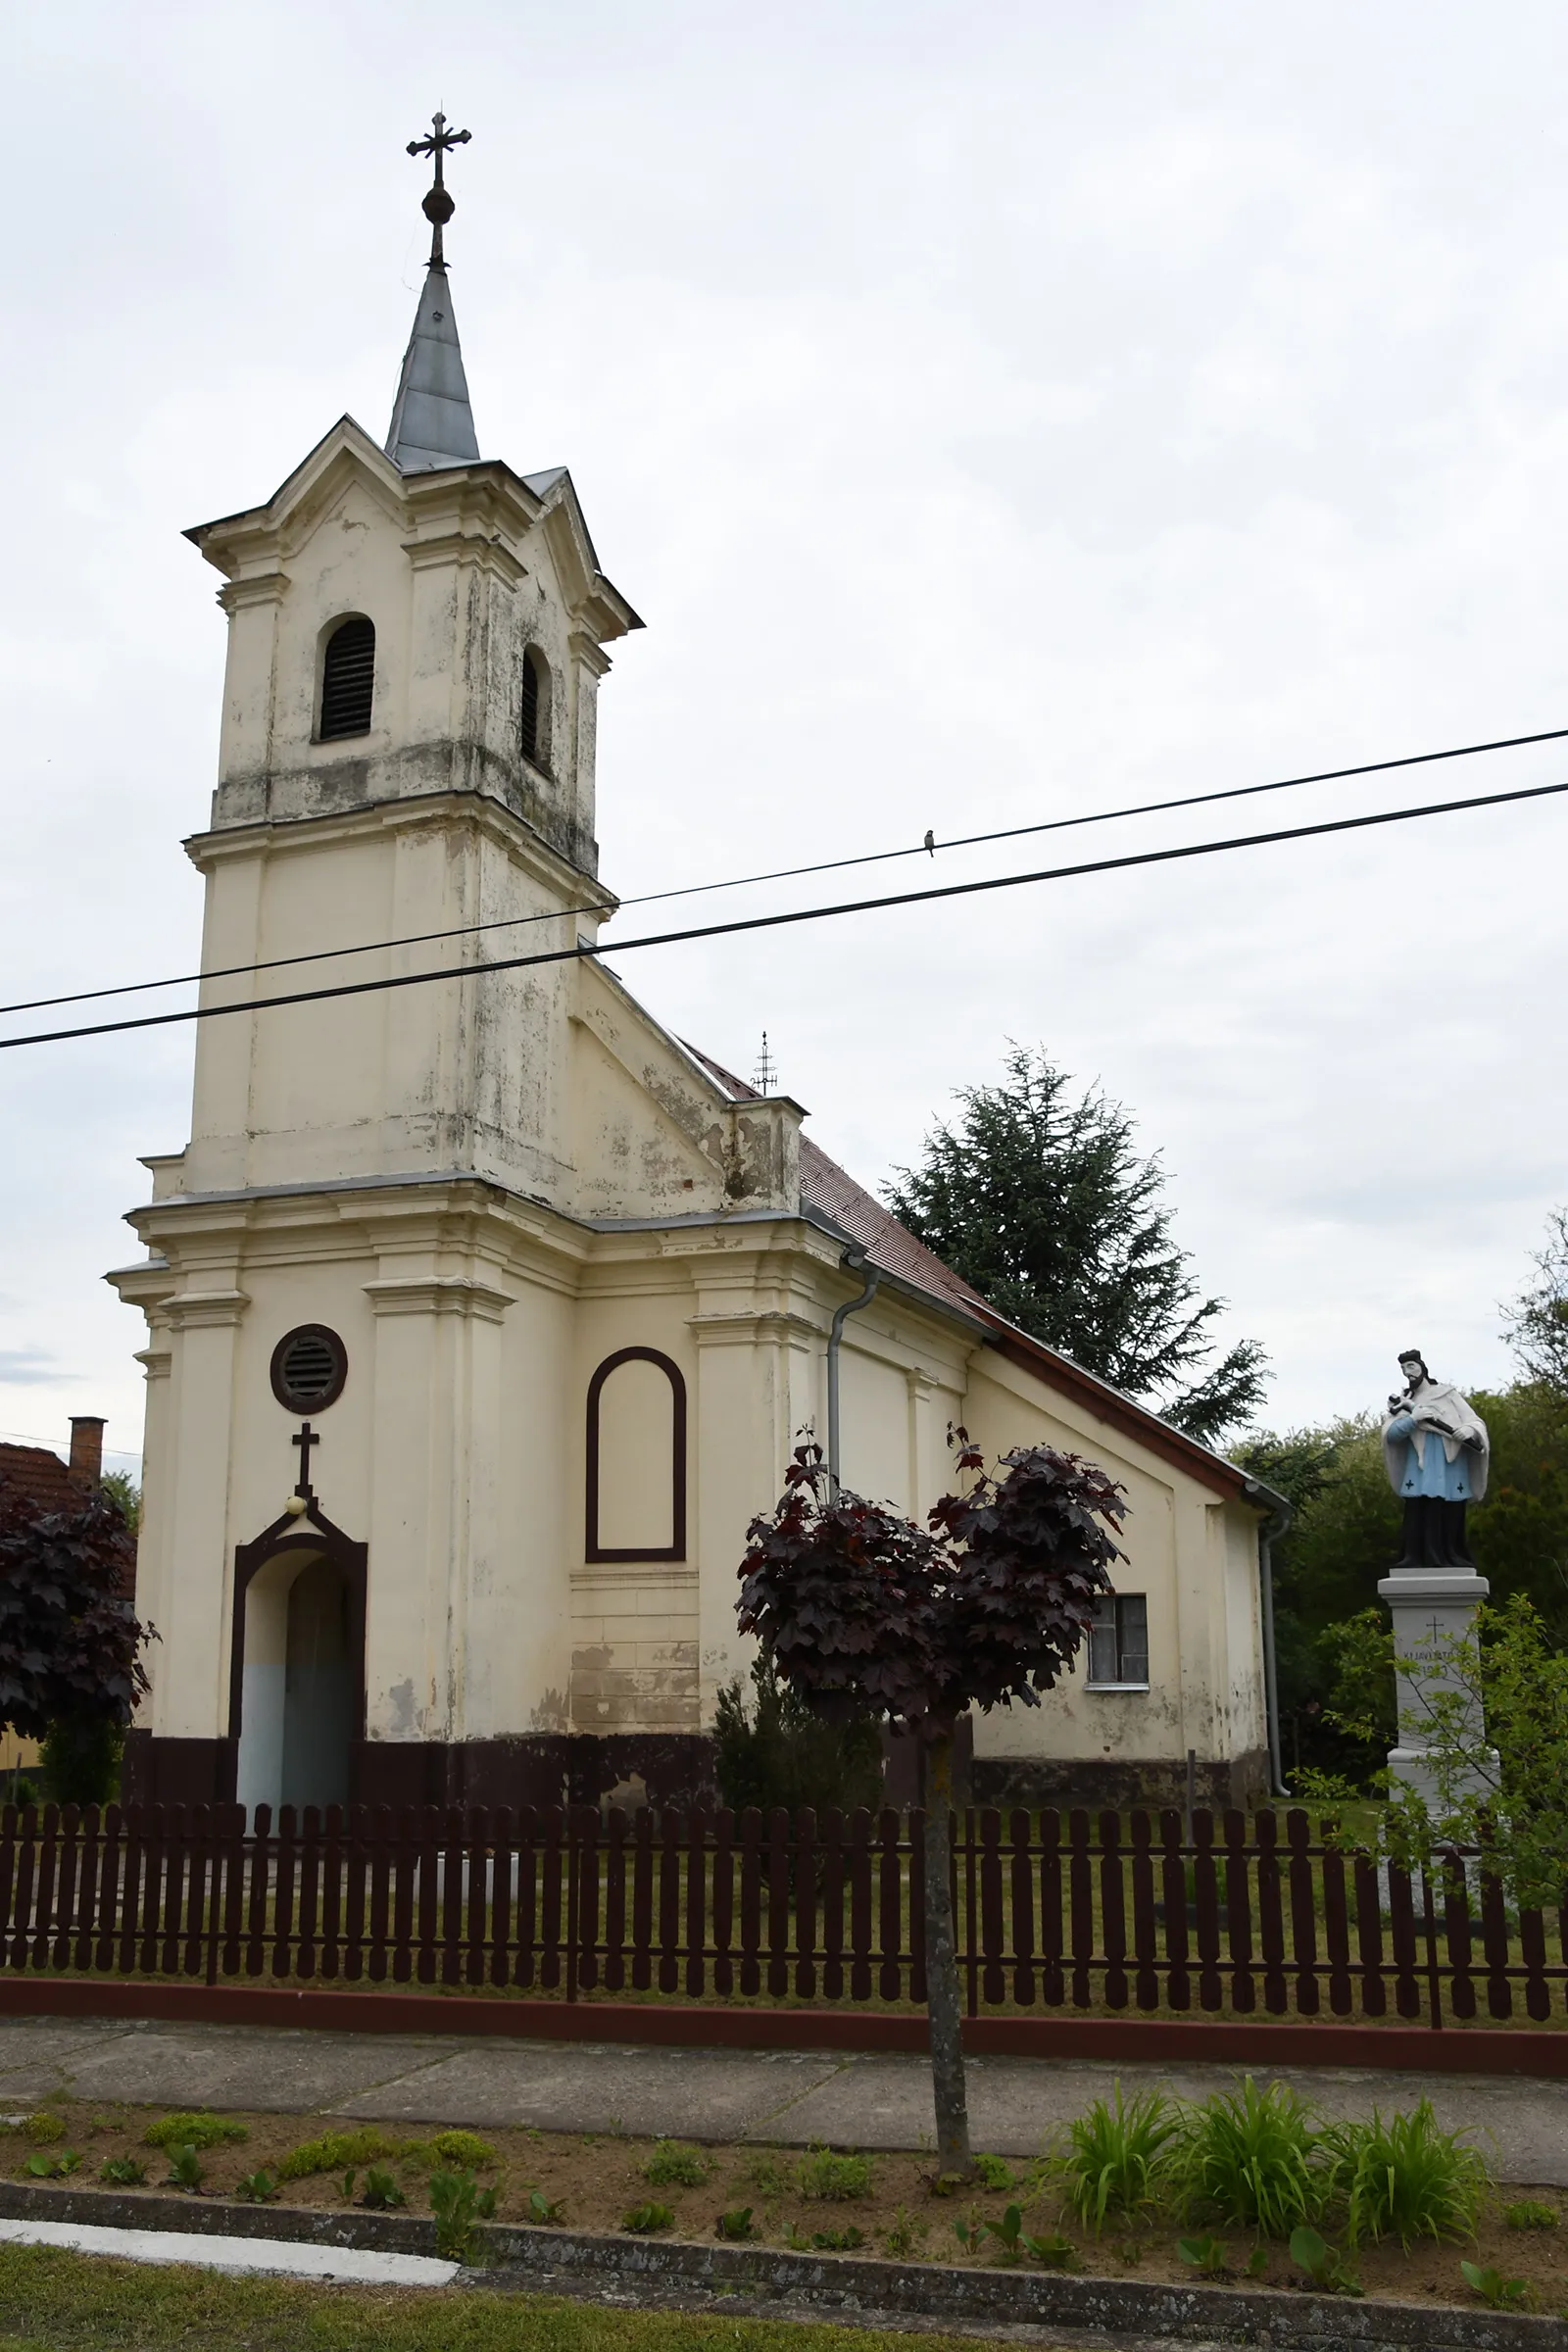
(52,2301)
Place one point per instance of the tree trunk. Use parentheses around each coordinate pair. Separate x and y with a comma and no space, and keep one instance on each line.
(954,2160)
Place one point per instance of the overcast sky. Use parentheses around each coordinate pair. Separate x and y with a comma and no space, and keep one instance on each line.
(996,412)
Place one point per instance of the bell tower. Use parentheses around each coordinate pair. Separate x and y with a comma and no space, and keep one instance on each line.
(416,636)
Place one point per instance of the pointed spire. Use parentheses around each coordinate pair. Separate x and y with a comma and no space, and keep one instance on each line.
(432,423)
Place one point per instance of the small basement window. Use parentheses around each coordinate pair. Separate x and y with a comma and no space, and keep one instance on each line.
(1118,1642)
(347,680)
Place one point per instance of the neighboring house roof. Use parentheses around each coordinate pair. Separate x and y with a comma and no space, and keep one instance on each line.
(41,1476)
(836,1197)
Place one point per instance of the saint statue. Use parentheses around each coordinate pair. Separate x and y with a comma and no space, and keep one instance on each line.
(1437,1452)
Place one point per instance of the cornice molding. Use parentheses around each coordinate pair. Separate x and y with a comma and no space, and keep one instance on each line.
(466,547)
(205,1310)
(437,1295)
(260,588)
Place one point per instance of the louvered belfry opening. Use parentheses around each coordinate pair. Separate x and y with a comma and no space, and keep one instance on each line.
(529,729)
(348,679)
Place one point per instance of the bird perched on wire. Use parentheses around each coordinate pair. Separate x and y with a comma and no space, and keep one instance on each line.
(930,841)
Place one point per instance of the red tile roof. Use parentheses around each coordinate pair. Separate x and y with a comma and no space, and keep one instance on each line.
(835,1195)
(41,1475)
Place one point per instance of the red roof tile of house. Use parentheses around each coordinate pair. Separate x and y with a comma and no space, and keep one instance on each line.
(41,1475)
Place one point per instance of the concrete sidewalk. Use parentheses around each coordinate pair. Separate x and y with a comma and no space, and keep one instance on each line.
(795,2098)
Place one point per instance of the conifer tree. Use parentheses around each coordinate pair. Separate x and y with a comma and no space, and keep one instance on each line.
(1039,1197)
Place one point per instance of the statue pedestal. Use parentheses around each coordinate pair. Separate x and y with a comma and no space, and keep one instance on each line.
(1431,1608)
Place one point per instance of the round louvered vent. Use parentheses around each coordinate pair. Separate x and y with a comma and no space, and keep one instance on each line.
(308,1368)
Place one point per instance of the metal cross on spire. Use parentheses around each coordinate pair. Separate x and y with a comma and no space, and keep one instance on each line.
(438,206)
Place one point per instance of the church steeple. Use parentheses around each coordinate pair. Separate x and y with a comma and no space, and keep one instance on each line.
(432,423)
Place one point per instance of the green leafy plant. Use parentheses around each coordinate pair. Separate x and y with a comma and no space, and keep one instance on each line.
(1118,2156)
(125,2171)
(994,2172)
(542,2210)
(43,2128)
(905,2235)
(1404,2177)
(197,2130)
(1054,2250)
(674,2164)
(1009,2233)
(345,2188)
(736,2224)
(459,2205)
(822,2175)
(769,2174)
(971,2232)
(1528,2215)
(1211,2257)
(335,2151)
(52,2168)
(1251,2156)
(256,2188)
(644,2219)
(1323,2264)
(465,2149)
(1504,2294)
(381,2191)
(186,2169)
(842,2240)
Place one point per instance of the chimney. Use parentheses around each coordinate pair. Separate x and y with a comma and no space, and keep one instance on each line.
(87,1464)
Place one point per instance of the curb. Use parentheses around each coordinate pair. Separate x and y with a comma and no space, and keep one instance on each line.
(862,2291)
(1231,2041)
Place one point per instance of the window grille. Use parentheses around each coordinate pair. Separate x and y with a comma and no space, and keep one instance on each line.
(529,727)
(347,680)
(1119,1640)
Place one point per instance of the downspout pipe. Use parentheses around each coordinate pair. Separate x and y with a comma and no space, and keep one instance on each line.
(1276,1524)
(853,1261)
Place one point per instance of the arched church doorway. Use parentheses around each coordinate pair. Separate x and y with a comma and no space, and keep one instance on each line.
(297,1701)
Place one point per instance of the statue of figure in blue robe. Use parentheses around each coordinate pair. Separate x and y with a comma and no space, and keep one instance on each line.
(1437,1452)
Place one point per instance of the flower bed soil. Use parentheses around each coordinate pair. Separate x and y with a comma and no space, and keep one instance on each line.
(596,2180)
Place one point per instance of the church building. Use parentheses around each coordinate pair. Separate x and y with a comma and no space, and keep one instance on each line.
(483,1312)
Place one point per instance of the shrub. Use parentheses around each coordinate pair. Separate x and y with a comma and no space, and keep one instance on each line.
(186,2169)
(782,1753)
(736,2224)
(335,2151)
(381,2191)
(644,2219)
(674,2164)
(1528,2215)
(199,2131)
(905,2239)
(1251,2155)
(80,1759)
(43,2128)
(124,2171)
(459,2205)
(826,2176)
(1504,2294)
(1117,2156)
(770,2174)
(994,2172)
(465,2149)
(1406,2178)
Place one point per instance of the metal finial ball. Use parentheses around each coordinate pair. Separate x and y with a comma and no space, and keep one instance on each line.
(438,206)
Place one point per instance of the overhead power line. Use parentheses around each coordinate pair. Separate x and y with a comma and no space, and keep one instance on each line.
(929,847)
(800,914)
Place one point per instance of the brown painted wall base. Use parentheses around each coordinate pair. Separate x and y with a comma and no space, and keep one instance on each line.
(1167,2042)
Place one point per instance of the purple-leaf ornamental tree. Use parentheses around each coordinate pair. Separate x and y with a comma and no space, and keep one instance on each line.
(858,1607)
(70,1644)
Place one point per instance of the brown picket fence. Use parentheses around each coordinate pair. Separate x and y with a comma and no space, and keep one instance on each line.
(1248,1914)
